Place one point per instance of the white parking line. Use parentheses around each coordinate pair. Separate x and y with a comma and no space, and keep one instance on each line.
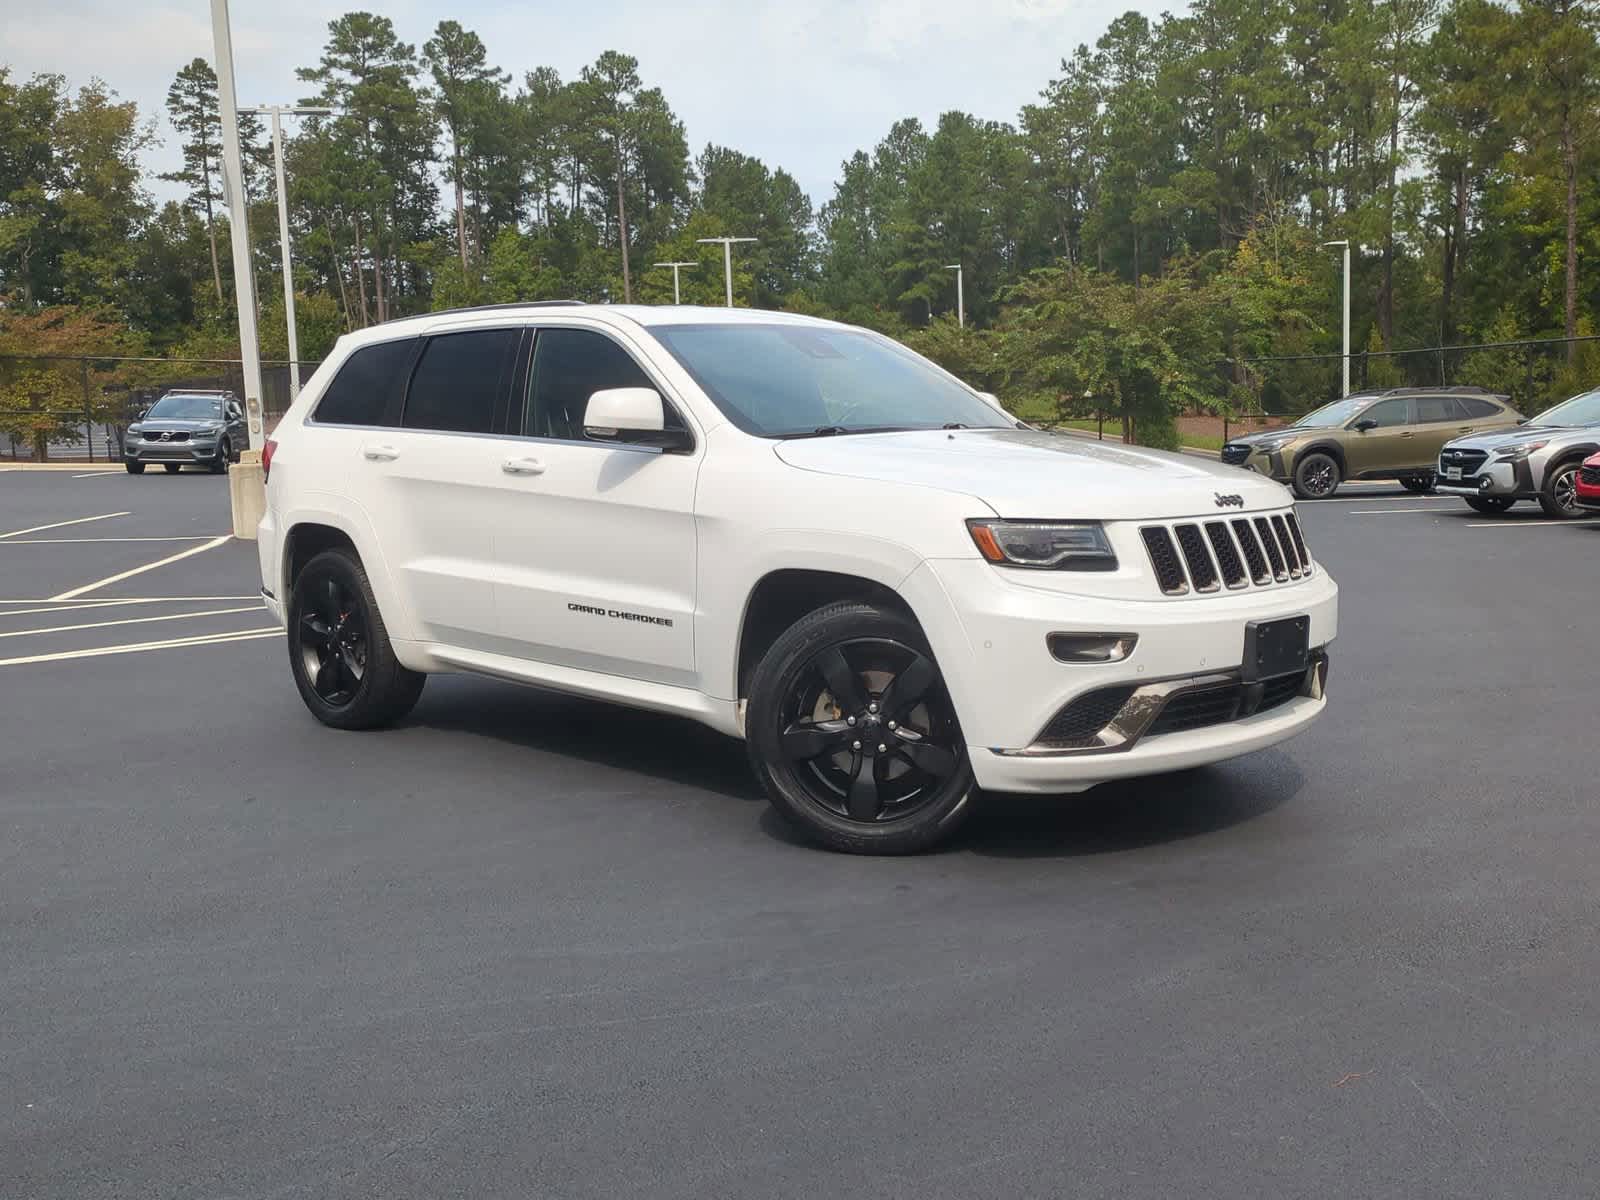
(118,578)
(63,524)
(1373,512)
(70,606)
(214,612)
(98,474)
(244,635)
(1515,524)
(185,537)
(102,600)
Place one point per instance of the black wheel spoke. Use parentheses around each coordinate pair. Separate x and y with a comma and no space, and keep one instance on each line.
(351,668)
(327,681)
(928,758)
(809,740)
(863,803)
(316,626)
(909,686)
(841,679)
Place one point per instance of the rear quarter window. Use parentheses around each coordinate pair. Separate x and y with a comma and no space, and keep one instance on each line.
(368,383)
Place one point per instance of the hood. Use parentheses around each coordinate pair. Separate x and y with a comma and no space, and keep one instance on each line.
(1492,439)
(1029,473)
(191,424)
(1249,439)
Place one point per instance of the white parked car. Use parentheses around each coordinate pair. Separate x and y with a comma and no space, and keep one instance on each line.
(796,532)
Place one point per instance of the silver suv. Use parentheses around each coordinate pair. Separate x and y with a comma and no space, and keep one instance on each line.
(1537,461)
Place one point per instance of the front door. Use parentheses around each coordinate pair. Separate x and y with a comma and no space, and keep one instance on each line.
(1391,446)
(596,541)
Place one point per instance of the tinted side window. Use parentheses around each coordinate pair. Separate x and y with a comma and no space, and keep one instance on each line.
(362,390)
(1387,413)
(1433,410)
(569,366)
(458,382)
(1477,410)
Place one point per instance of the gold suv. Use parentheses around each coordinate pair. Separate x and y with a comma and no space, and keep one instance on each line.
(1395,434)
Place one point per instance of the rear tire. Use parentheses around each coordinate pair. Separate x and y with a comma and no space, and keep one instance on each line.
(851,732)
(1316,477)
(171,468)
(1489,505)
(1559,496)
(134,468)
(339,648)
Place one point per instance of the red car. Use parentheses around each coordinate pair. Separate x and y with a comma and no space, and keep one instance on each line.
(1589,483)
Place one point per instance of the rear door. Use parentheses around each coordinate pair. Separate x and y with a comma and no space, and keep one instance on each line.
(433,479)
(1439,418)
(1389,447)
(597,540)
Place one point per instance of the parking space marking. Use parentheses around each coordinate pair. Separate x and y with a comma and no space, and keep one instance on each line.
(1374,512)
(208,639)
(108,600)
(63,524)
(119,577)
(72,606)
(98,474)
(1515,524)
(214,612)
(178,537)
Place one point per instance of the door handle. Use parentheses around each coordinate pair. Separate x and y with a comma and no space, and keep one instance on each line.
(381,452)
(522,466)
(1407,433)
(1464,429)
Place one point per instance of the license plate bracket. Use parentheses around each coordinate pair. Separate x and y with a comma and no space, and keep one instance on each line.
(1452,472)
(1273,648)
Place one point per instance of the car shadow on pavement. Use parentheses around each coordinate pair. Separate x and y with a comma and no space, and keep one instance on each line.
(1134,813)
(669,748)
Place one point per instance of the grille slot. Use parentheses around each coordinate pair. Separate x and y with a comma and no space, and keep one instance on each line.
(1468,460)
(1201,573)
(1269,542)
(1246,533)
(1227,556)
(1077,722)
(1284,542)
(1222,703)
(1164,558)
(1299,542)
(1590,476)
(1235,455)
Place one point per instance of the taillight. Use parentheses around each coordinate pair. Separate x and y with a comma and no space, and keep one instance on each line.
(266,458)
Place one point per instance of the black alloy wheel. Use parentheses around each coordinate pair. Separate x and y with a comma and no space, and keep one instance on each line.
(1560,496)
(1316,477)
(219,465)
(853,734)
(332,642)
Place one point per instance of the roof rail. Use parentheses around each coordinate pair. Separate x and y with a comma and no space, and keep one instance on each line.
(471,308)
(1456,390)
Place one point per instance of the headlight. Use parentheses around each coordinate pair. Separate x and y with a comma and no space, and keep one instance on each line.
(1519,453)
(1044,545)
(1271,444)
(133,429)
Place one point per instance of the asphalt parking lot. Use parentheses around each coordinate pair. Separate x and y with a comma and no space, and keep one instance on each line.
(532,946)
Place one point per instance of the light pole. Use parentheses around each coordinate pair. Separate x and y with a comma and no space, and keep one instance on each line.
(676,267)
(961,296)
(727,259)
(1346,375)
(244,288)
(278,111)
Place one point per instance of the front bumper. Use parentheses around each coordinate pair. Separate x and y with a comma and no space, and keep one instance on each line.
(1268,463)
(166,452)
(1007,687)
(1502,480)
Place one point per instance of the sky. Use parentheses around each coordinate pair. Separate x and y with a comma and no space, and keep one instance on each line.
(800,85)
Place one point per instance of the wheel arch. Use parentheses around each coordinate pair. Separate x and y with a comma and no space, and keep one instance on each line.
(308,533)
(1332,449)
(782,596)
(1565,456)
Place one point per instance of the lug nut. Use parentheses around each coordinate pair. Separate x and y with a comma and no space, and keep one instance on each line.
(891,726)
(849,720)
(872,708)
(855,745)
(881,747)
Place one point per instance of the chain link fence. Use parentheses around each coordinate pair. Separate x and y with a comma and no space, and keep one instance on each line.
(76,408)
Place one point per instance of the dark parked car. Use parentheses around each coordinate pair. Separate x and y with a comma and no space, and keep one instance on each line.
(203,429)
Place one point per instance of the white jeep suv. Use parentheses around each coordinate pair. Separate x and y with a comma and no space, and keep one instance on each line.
(794,531)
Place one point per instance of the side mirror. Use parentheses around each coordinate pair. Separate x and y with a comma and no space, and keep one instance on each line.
(1365,424)
(633,416)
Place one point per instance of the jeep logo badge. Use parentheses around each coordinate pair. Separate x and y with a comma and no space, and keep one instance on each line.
(1231,501)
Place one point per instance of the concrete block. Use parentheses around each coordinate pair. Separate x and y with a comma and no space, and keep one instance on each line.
(247,493)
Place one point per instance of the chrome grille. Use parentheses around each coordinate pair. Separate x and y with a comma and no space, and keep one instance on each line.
(1207,556)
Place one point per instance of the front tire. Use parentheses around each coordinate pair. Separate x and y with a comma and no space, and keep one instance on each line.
(1489,505)
(1316,477)
(219,465)
(134,468)
(853,735)
(1559,497)
(339,648)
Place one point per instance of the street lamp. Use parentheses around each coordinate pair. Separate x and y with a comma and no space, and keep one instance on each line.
(244,289)
(676,267)
(278,112)
(727,259)
(1346,379)
(961,297)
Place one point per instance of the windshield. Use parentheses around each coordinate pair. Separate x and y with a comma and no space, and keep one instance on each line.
(1336,413)
(794,380)
(187,408)
(1583,409)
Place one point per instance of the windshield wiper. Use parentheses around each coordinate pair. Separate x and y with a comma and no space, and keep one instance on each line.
(954,425)
(836,430)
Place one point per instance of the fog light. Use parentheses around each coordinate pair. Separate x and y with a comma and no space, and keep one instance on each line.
(1091,647)
(1483,484)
